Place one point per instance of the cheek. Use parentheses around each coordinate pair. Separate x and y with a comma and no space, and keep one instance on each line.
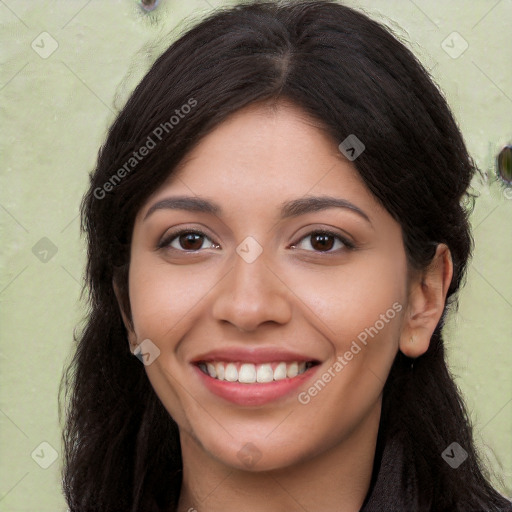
(165,301)
(350,300)
(360,312)
(163,297)
(370,307)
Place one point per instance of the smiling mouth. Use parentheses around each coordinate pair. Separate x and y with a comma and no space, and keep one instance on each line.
(249,373)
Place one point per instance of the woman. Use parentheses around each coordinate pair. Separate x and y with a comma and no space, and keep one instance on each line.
(276,233)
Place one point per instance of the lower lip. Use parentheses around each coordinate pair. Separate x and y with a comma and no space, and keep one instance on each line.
(257,393)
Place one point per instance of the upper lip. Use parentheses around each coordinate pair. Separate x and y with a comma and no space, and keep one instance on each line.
(255,356)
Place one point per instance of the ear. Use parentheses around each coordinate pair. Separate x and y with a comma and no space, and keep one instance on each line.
(132,338)
(427,297)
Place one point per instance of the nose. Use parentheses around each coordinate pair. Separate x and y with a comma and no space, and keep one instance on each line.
(252,294)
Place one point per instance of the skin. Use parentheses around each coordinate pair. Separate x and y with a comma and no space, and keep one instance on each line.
(296,294)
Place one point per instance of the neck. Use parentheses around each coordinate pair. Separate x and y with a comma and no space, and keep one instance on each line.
(337,479)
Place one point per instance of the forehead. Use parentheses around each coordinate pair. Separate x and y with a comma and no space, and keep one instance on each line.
(265,154)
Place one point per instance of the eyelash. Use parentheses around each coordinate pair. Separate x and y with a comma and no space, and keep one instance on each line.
(165,242)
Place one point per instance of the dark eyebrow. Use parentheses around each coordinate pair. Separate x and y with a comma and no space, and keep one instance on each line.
(188,203)
(309,204)
(292,208)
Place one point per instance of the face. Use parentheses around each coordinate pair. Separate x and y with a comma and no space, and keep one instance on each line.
(276,315)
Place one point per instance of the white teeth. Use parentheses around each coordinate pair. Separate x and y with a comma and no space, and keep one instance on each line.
(292,370)
(265,373)
(211,370)
(219,368)
(231,373)
(280,372)
(247,373)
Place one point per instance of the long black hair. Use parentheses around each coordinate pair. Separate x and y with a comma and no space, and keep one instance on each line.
(353,76)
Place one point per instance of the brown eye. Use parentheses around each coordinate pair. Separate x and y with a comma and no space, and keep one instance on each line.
(324,241)
(186,241)
(190,241)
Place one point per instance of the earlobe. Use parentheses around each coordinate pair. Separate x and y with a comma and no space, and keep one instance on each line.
(427,297)
(415,345)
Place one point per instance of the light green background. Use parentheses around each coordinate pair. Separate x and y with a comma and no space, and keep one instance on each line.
(55,114)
